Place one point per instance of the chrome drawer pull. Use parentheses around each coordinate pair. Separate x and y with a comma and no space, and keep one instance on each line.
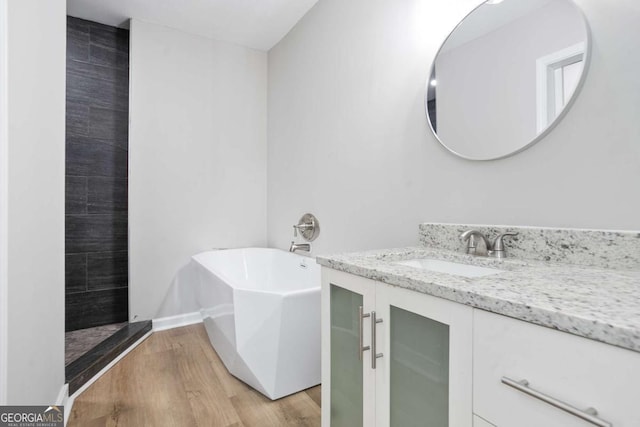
(361,317)
(589,414)
(374,355)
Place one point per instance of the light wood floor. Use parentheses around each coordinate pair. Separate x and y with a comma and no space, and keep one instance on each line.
(175,378)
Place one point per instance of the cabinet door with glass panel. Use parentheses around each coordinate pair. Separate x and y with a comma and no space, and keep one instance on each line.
(424,365)
(348,383)
(392,357)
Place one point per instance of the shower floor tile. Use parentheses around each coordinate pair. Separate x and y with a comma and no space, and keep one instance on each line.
(81,341)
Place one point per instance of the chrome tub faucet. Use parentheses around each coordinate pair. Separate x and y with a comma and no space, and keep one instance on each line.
(299,247)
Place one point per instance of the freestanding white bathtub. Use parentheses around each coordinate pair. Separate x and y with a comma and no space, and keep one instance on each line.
(261,310)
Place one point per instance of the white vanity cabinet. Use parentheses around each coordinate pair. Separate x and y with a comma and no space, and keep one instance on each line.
(423,372)
(444,364)
(562,367)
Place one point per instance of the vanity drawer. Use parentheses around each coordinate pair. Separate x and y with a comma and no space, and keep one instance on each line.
(580,372)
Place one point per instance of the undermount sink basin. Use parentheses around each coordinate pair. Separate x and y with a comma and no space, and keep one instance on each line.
(447,267)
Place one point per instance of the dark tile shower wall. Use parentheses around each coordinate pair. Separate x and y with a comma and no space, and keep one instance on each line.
(96,174)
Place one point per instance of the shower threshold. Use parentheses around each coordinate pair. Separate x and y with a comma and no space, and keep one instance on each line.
(84,367)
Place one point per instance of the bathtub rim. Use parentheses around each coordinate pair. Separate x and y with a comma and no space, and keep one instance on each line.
(233,284)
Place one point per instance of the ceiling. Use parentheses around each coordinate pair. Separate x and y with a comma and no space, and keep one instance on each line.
(258,24)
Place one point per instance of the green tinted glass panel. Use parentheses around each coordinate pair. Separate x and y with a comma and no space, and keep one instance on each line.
(346,369)
(419,373)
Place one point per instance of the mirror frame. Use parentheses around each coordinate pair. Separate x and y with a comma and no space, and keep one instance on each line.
(550,126)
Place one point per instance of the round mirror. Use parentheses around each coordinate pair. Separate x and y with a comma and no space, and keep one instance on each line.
(506,75)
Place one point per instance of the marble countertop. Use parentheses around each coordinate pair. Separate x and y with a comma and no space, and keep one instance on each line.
(600,304)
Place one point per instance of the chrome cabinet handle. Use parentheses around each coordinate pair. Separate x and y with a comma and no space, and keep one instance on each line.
(589,414)
(361,317)
(374,355)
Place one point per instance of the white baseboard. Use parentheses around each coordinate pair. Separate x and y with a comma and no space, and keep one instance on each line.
(164,323)
(63,400)
(72,398)
(63,395)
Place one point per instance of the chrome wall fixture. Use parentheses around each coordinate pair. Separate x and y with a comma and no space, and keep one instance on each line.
(308,227)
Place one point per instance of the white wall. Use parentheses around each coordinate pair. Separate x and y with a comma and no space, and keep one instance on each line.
(348,138)
(491,81)
(197,154)
(4,150)
(33,200)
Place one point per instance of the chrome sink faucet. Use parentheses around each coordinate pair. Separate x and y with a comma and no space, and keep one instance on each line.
(495,249)
(472,237)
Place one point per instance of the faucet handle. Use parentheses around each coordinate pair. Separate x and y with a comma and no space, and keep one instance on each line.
(498,243)
(471,237)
